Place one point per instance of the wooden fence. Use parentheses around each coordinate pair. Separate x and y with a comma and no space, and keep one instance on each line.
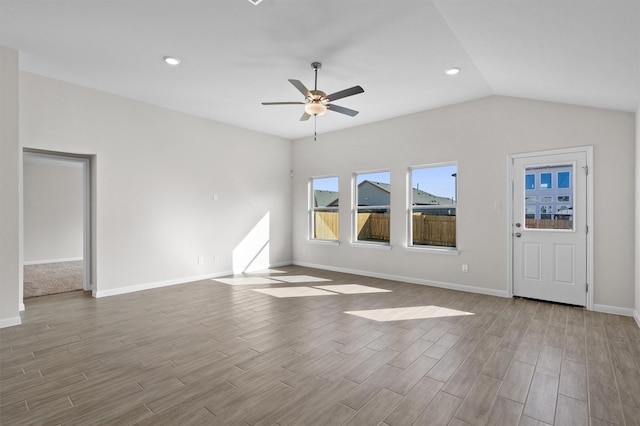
(549,224)
(434,230)
(326,225)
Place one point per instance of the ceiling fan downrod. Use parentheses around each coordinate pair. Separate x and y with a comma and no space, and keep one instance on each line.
(316,66)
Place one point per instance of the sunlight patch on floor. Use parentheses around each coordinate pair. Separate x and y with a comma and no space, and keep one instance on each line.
(294,292)
(408,313)
(352,289)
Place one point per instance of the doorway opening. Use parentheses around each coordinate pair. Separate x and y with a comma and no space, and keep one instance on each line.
(56,223)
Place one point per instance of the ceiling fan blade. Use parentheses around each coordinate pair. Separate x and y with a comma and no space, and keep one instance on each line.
(342,110)
(304,117)
(301,87)
(283,103)
(344,93)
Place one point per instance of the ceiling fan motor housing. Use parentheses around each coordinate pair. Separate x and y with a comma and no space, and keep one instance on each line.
(317,96)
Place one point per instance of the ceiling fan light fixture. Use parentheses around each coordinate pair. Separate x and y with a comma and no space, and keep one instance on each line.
(315,108)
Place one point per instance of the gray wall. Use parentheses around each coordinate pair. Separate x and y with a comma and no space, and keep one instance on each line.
(637,224)
(155,175)
(479,135)
(10,259)
(52,210)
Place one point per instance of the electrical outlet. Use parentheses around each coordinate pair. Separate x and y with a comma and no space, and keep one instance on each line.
(200,260)
(215,259)
(465,268)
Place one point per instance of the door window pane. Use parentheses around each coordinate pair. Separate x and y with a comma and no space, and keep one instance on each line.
(548,207)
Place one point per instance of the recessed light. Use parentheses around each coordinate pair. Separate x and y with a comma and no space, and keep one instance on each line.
(255,2)
(452,71)
(171,60)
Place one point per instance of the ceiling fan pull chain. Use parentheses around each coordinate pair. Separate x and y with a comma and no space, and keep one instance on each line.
(315,128)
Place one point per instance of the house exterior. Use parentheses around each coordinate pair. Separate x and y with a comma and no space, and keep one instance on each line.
(378,194)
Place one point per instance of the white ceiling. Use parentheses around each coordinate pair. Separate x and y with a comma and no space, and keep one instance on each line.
(236,55)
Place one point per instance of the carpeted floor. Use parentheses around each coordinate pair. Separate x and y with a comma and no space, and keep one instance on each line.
(52,278)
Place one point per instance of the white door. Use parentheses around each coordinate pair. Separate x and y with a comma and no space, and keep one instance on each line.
(550,227)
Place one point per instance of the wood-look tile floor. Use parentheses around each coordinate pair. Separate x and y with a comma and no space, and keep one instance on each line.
(299,346)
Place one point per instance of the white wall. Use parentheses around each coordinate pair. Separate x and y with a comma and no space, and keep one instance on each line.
(637,224)
(10,262)
(52,210)
(479,135)
(155,173)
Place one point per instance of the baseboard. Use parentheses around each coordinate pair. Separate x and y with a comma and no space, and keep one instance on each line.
(10,322)
(141,287)
(614,310)
(158,284)
(257,270)
(636,316)
(280,264)
(41,262)
(431,283)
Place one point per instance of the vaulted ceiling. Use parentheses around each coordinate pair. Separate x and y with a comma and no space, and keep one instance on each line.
(235,54)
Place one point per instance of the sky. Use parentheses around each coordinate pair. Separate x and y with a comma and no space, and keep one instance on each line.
(434,180)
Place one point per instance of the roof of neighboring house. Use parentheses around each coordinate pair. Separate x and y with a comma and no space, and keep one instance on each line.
(384,186)
(424,198)
(419,197)
(322,198)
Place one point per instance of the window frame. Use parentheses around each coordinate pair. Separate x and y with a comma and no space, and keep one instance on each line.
(355,209)
(312,208)
(411,207)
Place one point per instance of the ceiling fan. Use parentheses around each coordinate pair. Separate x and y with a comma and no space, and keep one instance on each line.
(316,102)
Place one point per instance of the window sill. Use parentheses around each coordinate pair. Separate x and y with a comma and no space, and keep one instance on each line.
(435,250)
(379,246)
(324,242)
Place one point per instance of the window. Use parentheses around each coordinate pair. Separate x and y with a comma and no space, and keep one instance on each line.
(372,213)
(530,181)
(564,179)
(433,204)
(324,208)
(545,180)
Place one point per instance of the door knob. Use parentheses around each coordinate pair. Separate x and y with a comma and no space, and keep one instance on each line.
(518,225)
(518,234)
